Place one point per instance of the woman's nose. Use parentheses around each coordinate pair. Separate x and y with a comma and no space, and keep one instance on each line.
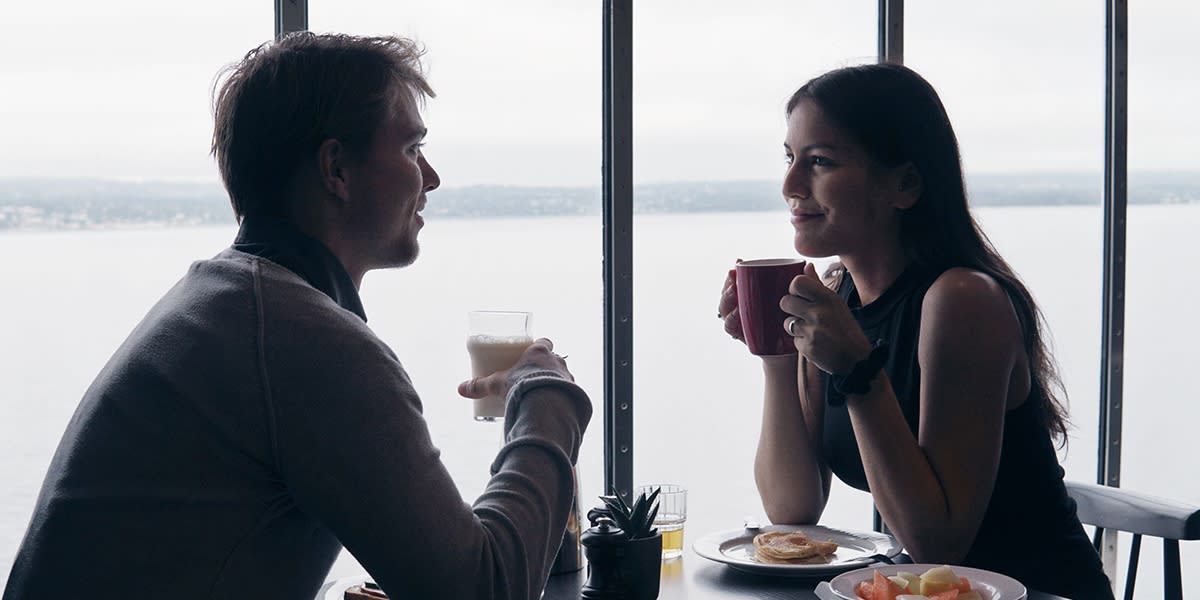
(796,184)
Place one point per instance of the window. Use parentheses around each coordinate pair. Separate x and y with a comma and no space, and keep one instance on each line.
(1025,95)
(710,86)
(1164,214)
(114,101)
(103,102)
(514,133)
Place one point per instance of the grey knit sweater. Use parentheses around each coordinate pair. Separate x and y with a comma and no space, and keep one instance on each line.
(251,425)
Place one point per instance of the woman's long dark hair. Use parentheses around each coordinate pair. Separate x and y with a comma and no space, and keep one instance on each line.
(897,117)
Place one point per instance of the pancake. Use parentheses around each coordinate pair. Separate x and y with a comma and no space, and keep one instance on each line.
(364,592)
(791,547)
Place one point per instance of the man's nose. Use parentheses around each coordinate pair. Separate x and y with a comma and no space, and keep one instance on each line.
(429,176)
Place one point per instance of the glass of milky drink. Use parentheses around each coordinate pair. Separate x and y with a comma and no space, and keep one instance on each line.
(495,340)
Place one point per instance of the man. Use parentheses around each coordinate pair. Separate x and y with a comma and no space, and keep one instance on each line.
(252,424)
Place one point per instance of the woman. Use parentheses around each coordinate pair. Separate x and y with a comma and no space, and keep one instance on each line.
(923,375)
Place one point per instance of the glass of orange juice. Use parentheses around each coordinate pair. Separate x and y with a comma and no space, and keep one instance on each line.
(672,513)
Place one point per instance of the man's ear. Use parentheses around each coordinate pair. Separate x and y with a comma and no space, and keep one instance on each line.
(910,187)
(331,166)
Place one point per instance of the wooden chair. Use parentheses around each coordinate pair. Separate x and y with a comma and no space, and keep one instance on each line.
(1139,514)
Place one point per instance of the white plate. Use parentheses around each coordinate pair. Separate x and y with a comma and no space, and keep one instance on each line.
(992,586)
(855,549)
(336,589)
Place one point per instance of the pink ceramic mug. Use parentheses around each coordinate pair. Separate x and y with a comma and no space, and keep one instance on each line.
(761,284)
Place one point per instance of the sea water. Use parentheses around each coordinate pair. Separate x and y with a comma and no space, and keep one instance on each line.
(68,299)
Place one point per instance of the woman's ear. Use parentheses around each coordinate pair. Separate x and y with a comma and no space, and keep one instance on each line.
(910,187)
(331,163)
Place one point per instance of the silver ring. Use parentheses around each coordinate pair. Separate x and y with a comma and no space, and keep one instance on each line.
(790,326)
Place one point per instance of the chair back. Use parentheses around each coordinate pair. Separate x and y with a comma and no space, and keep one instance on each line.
(1139,514)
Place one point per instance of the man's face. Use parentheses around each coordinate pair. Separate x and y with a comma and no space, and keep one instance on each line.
(387,189)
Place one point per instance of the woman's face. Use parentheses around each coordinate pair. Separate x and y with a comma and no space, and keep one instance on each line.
(841,201)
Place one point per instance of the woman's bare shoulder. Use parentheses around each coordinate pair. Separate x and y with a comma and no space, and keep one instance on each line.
(962,285)
(970,304)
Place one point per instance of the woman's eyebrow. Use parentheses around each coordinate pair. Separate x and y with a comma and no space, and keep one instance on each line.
(811,147)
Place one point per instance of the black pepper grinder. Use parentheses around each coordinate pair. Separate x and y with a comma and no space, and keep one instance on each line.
(604,544)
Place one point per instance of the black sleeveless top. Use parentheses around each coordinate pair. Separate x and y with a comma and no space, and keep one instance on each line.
(1030,531)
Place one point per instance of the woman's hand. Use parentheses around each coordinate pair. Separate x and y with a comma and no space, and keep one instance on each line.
(821,324)
(727,307)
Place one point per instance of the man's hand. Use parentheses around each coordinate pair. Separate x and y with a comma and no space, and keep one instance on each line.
(539,356)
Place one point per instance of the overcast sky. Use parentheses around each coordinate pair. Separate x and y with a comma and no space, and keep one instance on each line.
(123,88)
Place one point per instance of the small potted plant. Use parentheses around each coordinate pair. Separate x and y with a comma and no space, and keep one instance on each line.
(641,561)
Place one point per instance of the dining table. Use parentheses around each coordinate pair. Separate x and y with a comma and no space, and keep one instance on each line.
(689,577)
(692,576)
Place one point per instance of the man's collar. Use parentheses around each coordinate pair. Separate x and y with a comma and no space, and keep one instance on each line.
(284,244)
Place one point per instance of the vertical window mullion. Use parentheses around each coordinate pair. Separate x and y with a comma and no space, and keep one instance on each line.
(290,15)
(618,246)
(891,31)
(891,50)
(1112,351)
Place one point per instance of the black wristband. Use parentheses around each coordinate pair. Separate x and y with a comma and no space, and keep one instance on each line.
(858,380)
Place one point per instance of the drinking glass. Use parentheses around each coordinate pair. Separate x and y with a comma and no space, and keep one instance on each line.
(495,340)
(672,513)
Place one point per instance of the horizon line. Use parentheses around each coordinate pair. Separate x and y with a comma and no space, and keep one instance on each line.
(133,180)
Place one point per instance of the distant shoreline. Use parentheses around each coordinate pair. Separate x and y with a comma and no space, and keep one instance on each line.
(40,204)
